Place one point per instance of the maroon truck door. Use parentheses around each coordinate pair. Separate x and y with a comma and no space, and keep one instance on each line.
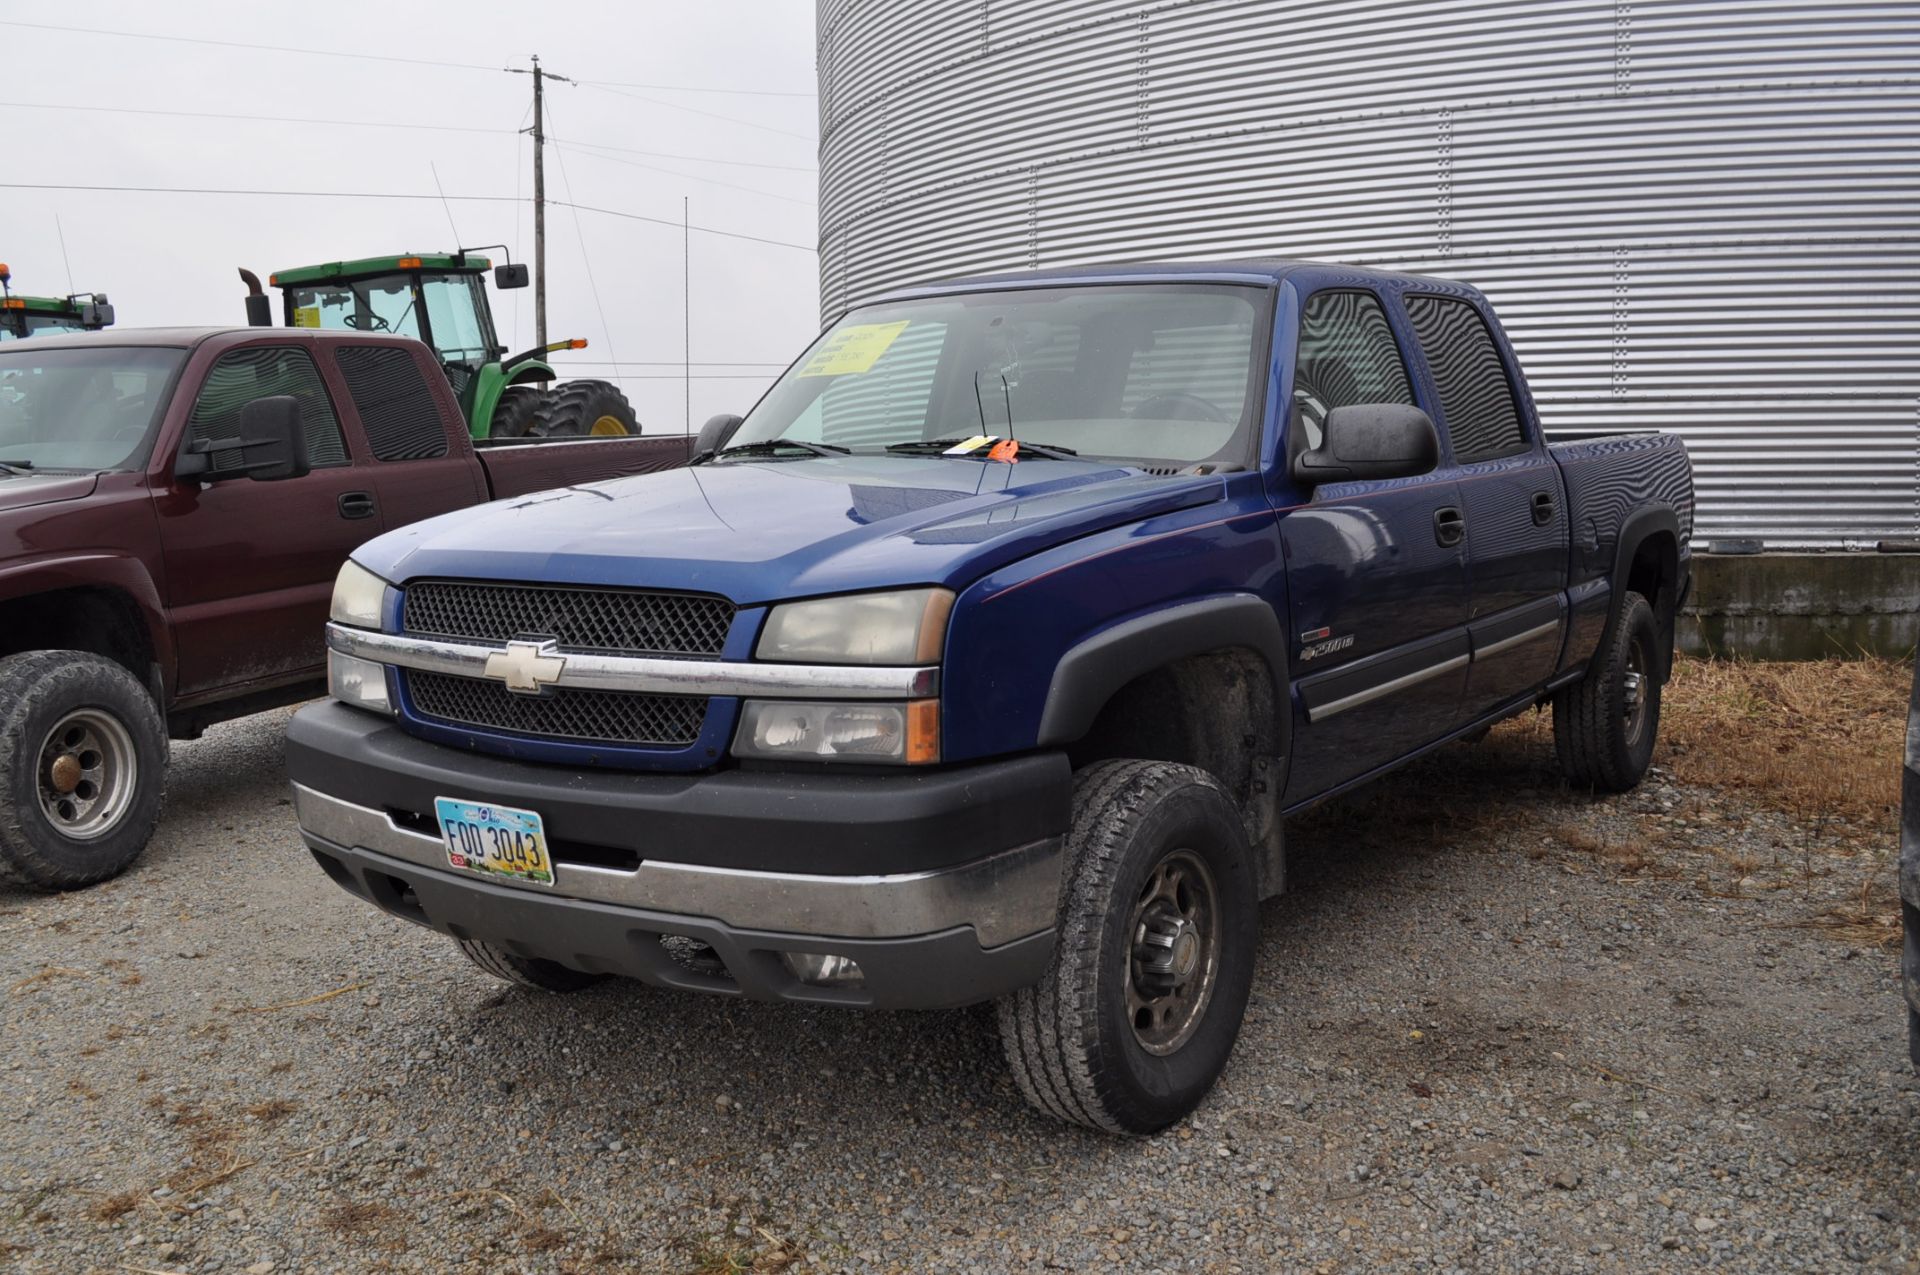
(417,466)
(250,565)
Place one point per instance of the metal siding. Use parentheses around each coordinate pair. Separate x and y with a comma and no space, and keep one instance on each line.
(1690,216)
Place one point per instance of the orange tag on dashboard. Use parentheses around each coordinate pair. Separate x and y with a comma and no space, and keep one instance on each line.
(1007,449)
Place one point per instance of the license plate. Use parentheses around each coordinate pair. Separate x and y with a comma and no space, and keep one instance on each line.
(495,841)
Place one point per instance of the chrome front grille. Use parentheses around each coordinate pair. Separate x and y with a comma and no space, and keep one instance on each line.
(625,621)
(578,716)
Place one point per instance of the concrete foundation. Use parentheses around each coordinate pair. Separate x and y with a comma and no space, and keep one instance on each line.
(1803,606)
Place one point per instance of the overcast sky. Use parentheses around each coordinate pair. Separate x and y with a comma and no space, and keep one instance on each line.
(170,258)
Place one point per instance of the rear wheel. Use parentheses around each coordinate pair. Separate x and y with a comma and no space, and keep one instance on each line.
(83,759)
(1142,1001)
(527,971)
(581,409)
(1604,725)
(514,415)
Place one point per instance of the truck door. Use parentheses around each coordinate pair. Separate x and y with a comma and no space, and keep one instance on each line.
(417,469)
(1513,499)
(250,565)
(1376,571)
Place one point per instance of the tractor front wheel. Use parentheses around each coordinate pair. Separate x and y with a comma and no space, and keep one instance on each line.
(581,409)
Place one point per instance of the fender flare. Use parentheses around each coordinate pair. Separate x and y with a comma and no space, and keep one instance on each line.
(1089,674)
(110,572)
(1642,523)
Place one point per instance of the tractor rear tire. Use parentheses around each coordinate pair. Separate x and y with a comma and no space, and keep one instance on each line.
(514,415)
(581,409)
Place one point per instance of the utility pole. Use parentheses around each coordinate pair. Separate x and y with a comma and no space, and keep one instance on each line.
(539,194)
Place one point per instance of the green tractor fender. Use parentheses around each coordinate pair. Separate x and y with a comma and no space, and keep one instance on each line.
(492,380)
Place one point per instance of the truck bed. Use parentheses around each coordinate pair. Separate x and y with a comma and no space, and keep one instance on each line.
(1610,476)
(514,469)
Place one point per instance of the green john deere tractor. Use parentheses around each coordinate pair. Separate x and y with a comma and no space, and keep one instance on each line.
(441,300)
(22,317)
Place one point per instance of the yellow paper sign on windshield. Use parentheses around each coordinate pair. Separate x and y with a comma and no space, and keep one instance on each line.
(306,316)
(853,349)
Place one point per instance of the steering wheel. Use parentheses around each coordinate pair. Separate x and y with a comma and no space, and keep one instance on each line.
(1178,405)
(375,323)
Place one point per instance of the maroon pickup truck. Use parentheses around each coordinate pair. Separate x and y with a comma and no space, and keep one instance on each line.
(174,505)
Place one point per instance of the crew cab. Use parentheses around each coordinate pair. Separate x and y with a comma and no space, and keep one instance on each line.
(174,505)
(986,658)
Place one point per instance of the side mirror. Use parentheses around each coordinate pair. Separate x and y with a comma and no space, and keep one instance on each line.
(1370,441)
(510,276)
(714,435)
(97,313)
(272,445)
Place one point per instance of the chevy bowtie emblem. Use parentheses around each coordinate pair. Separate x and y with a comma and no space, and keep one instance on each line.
(527,668)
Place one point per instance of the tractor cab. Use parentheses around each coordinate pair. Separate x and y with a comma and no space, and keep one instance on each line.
(22,317)
(440,299)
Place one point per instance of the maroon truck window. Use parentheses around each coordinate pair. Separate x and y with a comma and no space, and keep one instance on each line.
(241,376)
(400,414)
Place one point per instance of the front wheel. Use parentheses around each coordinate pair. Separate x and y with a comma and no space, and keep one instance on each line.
(527,971)
(1605,724)
(1142,1001)
(83,759)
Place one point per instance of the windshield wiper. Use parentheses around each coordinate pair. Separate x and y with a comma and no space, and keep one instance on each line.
(18,466)
(767,447)
(942,444)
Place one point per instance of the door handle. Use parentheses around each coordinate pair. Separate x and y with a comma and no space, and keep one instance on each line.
(1542,508)
(356,504)
(1449,525)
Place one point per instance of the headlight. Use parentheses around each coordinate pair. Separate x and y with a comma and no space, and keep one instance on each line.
(358,596)
(358,682)
(865,732)
(907,627)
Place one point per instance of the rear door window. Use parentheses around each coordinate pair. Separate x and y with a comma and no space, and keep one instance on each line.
(396,406)
(1477,403)
(267,371)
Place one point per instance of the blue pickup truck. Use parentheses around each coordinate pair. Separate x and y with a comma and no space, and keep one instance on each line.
(986,658)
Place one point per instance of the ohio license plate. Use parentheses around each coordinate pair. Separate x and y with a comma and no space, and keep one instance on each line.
(496,841)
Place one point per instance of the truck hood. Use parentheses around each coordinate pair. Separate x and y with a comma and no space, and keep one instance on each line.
(23,491)
(760,532)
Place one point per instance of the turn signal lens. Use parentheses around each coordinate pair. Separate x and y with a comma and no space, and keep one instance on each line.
(408,263)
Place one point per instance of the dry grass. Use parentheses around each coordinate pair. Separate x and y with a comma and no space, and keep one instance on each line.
(273,1109)
(1871,921)
(1819,741)
(118,1206)
(357,1218)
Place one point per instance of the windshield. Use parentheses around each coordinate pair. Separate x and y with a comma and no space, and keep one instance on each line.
(87,409)
(388,303)
(1152,375)
(17,325)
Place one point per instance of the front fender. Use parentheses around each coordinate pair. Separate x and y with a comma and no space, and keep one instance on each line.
(111,572)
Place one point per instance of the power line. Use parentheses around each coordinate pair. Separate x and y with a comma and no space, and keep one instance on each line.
(712,115)
(66,108)
(671,363)
(695,177)
(685,159)
(376,57)
(387,194)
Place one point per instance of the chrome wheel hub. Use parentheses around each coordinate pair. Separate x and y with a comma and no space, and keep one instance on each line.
(1634,693)
(87,775)
(1173,955)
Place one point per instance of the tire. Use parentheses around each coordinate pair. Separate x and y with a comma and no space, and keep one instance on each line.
(547,976)
(514,415)
(579,409)
(1605,725)
(1074,1041)
(83,762)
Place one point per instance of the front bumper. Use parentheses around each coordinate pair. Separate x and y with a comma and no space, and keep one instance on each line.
(944,886)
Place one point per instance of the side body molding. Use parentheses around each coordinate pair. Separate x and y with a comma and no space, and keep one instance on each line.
(1089,674)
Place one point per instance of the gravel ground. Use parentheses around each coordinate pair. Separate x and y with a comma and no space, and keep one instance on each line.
(1496,1026)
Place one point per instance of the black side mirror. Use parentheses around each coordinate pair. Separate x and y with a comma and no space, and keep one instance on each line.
(97,313)
(714,435)
(272,445)
(510,276)
(1370,441)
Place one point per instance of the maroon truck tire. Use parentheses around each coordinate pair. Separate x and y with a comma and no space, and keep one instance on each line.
(83,759)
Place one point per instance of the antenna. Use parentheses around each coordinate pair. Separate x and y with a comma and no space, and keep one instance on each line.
(435,169)
(63,252)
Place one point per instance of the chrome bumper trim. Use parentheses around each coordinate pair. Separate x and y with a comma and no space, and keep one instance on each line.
(1003,897)
(647,675)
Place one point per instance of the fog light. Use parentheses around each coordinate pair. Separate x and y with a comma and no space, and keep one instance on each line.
(358,682)
(824,969)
